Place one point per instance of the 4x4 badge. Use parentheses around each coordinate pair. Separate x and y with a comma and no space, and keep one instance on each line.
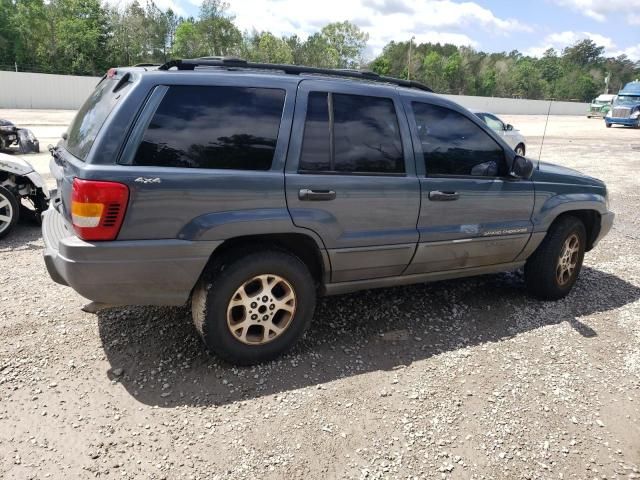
(148,180)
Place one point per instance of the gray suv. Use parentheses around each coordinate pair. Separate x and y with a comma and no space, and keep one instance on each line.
(250,189)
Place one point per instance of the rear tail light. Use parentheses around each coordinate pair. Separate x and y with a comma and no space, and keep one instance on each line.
(98,208)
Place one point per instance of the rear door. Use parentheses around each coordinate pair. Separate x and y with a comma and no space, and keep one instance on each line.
(472,213)
(350,177)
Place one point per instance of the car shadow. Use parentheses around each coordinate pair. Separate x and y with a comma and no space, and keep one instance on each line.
(157,356)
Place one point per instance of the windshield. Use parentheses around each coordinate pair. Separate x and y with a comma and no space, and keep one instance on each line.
(90,118)
(627,100)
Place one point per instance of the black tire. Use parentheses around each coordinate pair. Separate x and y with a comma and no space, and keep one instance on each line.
(607,124)
(214,292)
(521,149)
(540,271)
(10,208)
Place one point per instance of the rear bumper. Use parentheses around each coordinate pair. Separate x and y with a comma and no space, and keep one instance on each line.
(132,272)
(606,222)
(629,122)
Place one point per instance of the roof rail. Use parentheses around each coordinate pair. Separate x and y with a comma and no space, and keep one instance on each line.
(234,62)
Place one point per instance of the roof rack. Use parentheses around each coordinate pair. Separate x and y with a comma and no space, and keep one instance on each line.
(234,62)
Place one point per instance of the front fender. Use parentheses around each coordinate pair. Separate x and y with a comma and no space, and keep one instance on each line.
(15,165)
(556,205)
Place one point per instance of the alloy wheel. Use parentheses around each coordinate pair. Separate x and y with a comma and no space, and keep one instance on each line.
(568,260)
(261,309)
(6,213)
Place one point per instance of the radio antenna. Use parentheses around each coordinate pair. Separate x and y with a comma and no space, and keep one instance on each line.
(544,133)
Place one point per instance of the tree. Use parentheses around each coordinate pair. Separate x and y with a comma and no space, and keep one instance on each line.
(433,66)
(317,52)
(583,53)
(453,73)
(265,47)
(526,79)
(347,41)
(189,42)
(219,35)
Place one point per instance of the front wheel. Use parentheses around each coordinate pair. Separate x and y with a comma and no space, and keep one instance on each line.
(254,308)
(607,124)
(9,211)
(553,269)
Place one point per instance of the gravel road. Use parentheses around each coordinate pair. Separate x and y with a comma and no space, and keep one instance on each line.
(466,379)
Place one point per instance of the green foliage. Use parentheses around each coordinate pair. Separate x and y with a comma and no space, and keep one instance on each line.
(347,41)
(189,42)
(577,74)
(265,47)
(89,36)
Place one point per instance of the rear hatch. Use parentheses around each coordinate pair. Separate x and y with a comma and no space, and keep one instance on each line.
(71,157)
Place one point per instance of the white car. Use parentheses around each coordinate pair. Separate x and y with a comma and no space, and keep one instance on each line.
(509,134)
(20,182)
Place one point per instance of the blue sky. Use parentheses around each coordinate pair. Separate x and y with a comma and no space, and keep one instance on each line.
(490,25)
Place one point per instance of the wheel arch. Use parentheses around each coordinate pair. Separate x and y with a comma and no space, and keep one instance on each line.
(590,219)
(301,245)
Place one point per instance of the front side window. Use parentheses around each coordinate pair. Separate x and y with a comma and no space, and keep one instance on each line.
(351,134)
(453,145)
(213,127)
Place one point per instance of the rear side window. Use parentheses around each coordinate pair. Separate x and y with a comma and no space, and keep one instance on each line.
(213,127)
(453,145)
(351,134)
(89,120)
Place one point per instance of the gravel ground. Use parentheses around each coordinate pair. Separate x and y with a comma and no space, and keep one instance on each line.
(460,379)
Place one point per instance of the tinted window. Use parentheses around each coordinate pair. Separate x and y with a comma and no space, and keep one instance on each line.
(213,127)
(454,145)
(364,133)
(91,116)
(316,154)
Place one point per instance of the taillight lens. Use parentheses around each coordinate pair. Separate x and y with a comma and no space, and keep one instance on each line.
(98,208)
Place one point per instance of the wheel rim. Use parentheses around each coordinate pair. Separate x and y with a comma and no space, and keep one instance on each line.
(261,309)
(6,213)
(568,260)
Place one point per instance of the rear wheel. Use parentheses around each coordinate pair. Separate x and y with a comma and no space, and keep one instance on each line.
(552,270)
(9,211)
(254,308)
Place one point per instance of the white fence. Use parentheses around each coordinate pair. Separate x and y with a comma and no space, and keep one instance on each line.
(43,91)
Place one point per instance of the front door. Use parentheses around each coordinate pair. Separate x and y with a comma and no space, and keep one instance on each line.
(350,177)
(472,213)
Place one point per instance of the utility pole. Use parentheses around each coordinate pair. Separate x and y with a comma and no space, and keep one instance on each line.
(409,64)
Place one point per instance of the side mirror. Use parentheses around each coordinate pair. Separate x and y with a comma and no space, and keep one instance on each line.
(521,168)
(509,127)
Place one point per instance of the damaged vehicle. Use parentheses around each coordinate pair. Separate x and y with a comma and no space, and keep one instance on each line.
(23,192)
(23,138)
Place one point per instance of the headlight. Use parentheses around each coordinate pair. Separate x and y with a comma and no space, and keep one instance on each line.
(635,114)
(609,113)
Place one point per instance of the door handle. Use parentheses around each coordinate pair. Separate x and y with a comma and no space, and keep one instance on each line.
(316,195)
(439,196)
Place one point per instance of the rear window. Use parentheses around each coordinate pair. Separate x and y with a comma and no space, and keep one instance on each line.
(90,118)
(213,128)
